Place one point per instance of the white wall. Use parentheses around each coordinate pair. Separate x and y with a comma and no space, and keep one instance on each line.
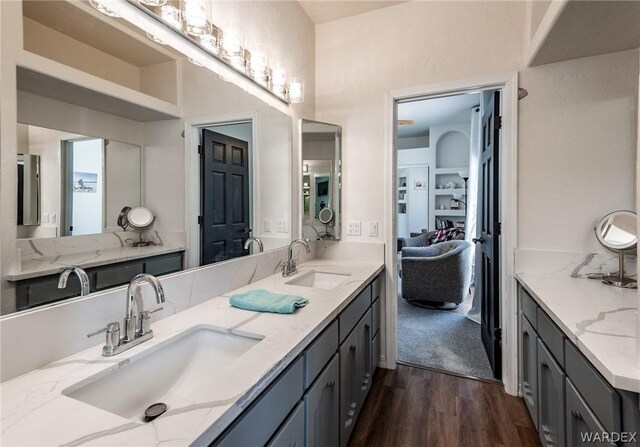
(356,66)
(577,129)
(577,149)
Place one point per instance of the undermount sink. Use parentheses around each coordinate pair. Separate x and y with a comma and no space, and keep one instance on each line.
(179,367)
(319,280)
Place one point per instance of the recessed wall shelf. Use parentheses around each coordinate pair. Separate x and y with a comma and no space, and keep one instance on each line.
(449,191)
(449,212)
(45,77)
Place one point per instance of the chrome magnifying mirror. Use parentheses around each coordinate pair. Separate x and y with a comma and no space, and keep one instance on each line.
(138,218)
(617,232)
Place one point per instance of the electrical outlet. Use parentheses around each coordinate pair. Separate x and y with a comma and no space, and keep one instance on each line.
(54,218)
(282,226)
(373,229)
(45,218)
(353,228)
(268,223)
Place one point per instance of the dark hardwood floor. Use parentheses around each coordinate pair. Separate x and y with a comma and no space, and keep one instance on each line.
(419,407)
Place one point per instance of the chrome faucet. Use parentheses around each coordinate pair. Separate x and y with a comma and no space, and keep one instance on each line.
(290,267)
(137,321)
(82,276)
(257,241)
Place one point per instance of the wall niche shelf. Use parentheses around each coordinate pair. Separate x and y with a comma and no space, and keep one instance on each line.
(128,66)
(449,191)
(449,213)
(38,75)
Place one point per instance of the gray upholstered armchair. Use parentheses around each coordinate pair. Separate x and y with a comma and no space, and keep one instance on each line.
(437,274)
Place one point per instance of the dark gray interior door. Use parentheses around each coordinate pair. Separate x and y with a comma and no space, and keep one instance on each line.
(488,252)
(225,197)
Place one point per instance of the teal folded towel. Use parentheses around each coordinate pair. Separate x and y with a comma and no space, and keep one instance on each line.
(261,300)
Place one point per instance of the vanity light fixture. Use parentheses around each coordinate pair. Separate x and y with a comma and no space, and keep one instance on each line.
(295,92)
(258,64)
(155,3)
(232,45)
(105,7)
(190,19)
(194,15)
(279,81)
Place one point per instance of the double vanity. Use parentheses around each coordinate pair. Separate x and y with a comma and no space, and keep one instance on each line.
(227,376)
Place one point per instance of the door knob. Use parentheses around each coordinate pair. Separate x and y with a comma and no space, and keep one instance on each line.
(247,230)
(477,241)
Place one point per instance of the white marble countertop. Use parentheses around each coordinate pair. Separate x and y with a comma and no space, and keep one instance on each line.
(50,265)
(602,321)
(35,412)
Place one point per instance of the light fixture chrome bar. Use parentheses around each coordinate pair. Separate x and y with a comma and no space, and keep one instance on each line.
(197,44)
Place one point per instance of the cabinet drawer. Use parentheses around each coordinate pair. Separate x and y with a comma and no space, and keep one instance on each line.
(291,434)
(594,389)
(319,353)
(322,410)
(529,307)
(529,363)
(375,317)
(164,265)
(551,405)
(259,423)
(117,275)
(352,314)
(375,288)
(552,336)
(580,419)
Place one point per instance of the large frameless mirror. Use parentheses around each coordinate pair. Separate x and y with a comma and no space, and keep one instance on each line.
(321,180)
(209,161)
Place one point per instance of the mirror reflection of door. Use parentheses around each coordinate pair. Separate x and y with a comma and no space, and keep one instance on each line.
(83,184)
(225,195)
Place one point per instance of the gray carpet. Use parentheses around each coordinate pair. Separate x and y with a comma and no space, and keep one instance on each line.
(441,339)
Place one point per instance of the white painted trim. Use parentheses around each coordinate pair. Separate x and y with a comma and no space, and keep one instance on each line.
(508,83)
(192,179)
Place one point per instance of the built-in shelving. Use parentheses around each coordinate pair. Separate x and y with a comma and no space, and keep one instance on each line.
(71,53)
(44,77)
(449,191)
(449,212)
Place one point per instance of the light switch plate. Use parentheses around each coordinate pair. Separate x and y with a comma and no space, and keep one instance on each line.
(268,223)
(54,218)
(353,228)
(373,229)
(45,218)
(282,226)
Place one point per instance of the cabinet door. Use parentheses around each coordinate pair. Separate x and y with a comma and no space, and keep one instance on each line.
(551,410)
(291,434)
(529,360)
(582,424)
(349,386)
(365,358)
(322,411)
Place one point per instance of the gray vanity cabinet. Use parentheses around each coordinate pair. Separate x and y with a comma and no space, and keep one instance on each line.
(322,409)
(581,421)
(551,382)
(291,434)
(529,354)
(43,290)
(572,398)
(365,358)
(316,401)
(349,386)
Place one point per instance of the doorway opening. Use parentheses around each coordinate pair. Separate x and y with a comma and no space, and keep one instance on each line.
(226,197)
(82,186)
(448,232)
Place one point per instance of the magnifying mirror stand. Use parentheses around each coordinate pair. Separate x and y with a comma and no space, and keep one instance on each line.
(620,280)
(140,242)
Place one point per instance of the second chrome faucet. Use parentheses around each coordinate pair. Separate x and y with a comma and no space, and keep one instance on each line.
(290,267)
(137,321)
